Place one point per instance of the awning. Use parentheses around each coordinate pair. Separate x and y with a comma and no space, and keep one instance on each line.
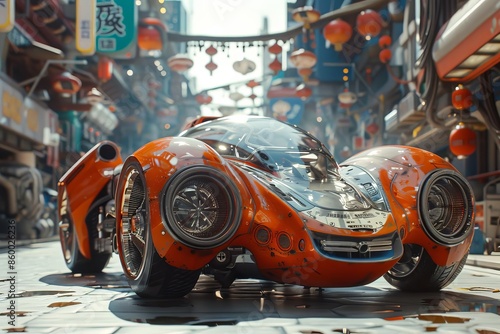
(23,40)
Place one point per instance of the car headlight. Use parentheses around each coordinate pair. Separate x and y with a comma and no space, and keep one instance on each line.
(201,207)
(446,207)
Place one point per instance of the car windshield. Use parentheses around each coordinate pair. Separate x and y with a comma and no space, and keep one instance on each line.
(279,148)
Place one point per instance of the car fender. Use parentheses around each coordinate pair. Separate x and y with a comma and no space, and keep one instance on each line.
(164,159)
(82,183)
(401,171)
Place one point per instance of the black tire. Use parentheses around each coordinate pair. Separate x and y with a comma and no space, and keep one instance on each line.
(149,275)
(24,201)
(75,260)
(417,272)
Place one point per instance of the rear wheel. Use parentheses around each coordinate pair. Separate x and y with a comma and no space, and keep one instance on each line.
(75,260)
(148,274)
(416,271)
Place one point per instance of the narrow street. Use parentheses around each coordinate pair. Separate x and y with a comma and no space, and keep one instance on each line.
(48,299)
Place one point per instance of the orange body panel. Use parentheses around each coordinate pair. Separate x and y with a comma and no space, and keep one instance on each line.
(161,159)
(400,171)
(304,266)
(82,183)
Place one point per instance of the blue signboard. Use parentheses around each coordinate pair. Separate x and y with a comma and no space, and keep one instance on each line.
(116,27)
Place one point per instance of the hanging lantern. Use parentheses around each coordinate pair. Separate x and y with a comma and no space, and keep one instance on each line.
(211,66)
(211,51)
(236,96)
(302,58)
(385,56)
(462,141)
(347,98)
(244,66)
(179,63)
(149,34)
(369,23)
(303,91)
(275,49)
(461,98)
(372,128)
(252,96)
(203,98)
(337,32)
(66,84)
(305,73)
(307,15)
(104,69)
(149,38)
(275,66)
(385,41)
(252,84)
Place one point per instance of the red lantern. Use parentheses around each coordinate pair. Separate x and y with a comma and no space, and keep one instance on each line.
(337,32)
(369,23)
(302,58)
(253,96)
(211,66)
(149,36)
(372,128)
(461,98)
(211,51)
(149,39)
(66,83)
(385,41)
(275,66)
(462,141)
(179,63)
(104,69)
(252,84)
(275,49)
(385,56)
(303,91)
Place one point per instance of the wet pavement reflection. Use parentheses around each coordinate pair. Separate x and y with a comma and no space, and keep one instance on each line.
(49,299)
(249,300)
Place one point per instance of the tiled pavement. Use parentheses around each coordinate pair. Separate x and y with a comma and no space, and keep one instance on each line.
(50,300)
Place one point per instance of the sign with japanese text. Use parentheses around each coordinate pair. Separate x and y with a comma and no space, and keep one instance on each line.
(7,15)
(116,27)
(85,26)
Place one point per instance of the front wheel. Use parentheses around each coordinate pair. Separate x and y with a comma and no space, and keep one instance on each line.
(149,275)
(416,271)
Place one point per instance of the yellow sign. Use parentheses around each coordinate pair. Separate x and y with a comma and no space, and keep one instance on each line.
(85,26)
(12,107)
(7,15)
(32,120)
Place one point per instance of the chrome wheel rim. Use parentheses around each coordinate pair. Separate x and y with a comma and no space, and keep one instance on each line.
(408,262)
(133,224)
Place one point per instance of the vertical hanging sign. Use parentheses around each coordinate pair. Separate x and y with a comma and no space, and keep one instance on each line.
(116,28)
(7,15)
(85,26)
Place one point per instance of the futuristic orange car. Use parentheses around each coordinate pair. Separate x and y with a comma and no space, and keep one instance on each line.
(252,197)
